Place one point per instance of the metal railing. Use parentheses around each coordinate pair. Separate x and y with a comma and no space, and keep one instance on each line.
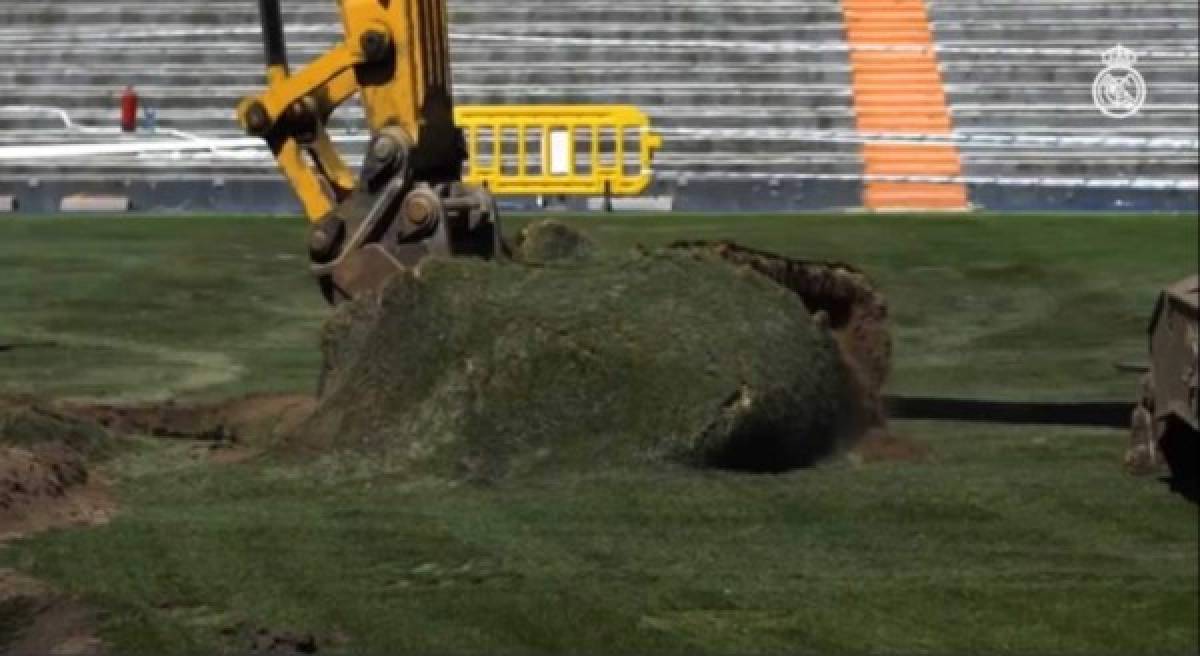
(559,149)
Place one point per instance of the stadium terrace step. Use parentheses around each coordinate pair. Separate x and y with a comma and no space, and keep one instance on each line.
(911,159)
(21,77)
(918,104)
(179,102)
(1035,54)
(1056,94)
(894,63)
(882,15)
(1062,13)
(1075,119)
(1079,76)
(915,196)
(903,120)
(246,56)
(1082,164)
(873,78)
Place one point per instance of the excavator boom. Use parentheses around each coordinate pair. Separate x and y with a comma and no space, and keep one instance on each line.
(408,200)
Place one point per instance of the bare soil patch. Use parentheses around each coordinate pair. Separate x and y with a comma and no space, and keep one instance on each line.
(37,620)
(45,480)
(48,486)
(882,446)
(271,642)
(246,420)
(264,640)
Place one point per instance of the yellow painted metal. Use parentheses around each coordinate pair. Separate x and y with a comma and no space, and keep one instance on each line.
(398,101)
(283,93)
(330,161)
(341,88)
(605,167)
(304,180)
(421,65)
(417,30)
(308,185)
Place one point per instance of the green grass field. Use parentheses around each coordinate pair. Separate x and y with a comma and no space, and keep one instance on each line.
(1007,540)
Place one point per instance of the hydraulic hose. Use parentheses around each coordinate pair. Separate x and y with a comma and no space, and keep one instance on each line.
(274,43)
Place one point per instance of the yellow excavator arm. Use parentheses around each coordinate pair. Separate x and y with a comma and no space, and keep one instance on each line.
(409,200)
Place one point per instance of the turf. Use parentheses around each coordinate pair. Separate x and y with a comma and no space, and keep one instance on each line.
(497,369)
(1007,306)
(1008,540)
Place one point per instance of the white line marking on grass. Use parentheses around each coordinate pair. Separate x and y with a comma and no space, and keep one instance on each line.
(199,369)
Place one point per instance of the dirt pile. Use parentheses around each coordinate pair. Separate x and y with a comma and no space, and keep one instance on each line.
(44,478)
(34,619)
(49,471)
(572,358)
(551,241)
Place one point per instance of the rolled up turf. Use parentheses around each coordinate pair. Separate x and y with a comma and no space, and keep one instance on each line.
(568,357)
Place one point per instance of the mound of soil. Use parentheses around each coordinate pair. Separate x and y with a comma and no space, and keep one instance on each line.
(44,479)
(34,619)
(48,487)
(570,358)
(48,471)
(552,241)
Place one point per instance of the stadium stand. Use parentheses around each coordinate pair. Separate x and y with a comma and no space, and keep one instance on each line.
(755,99)
(1040,88)
(914,103)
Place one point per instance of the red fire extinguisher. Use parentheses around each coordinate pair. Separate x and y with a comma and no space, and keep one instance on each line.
(129,110)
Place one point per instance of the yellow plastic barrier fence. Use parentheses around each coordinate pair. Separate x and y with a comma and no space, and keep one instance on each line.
(532,150)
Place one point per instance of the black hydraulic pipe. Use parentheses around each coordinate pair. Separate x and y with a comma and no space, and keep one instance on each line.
(274,45)
(1108,414)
